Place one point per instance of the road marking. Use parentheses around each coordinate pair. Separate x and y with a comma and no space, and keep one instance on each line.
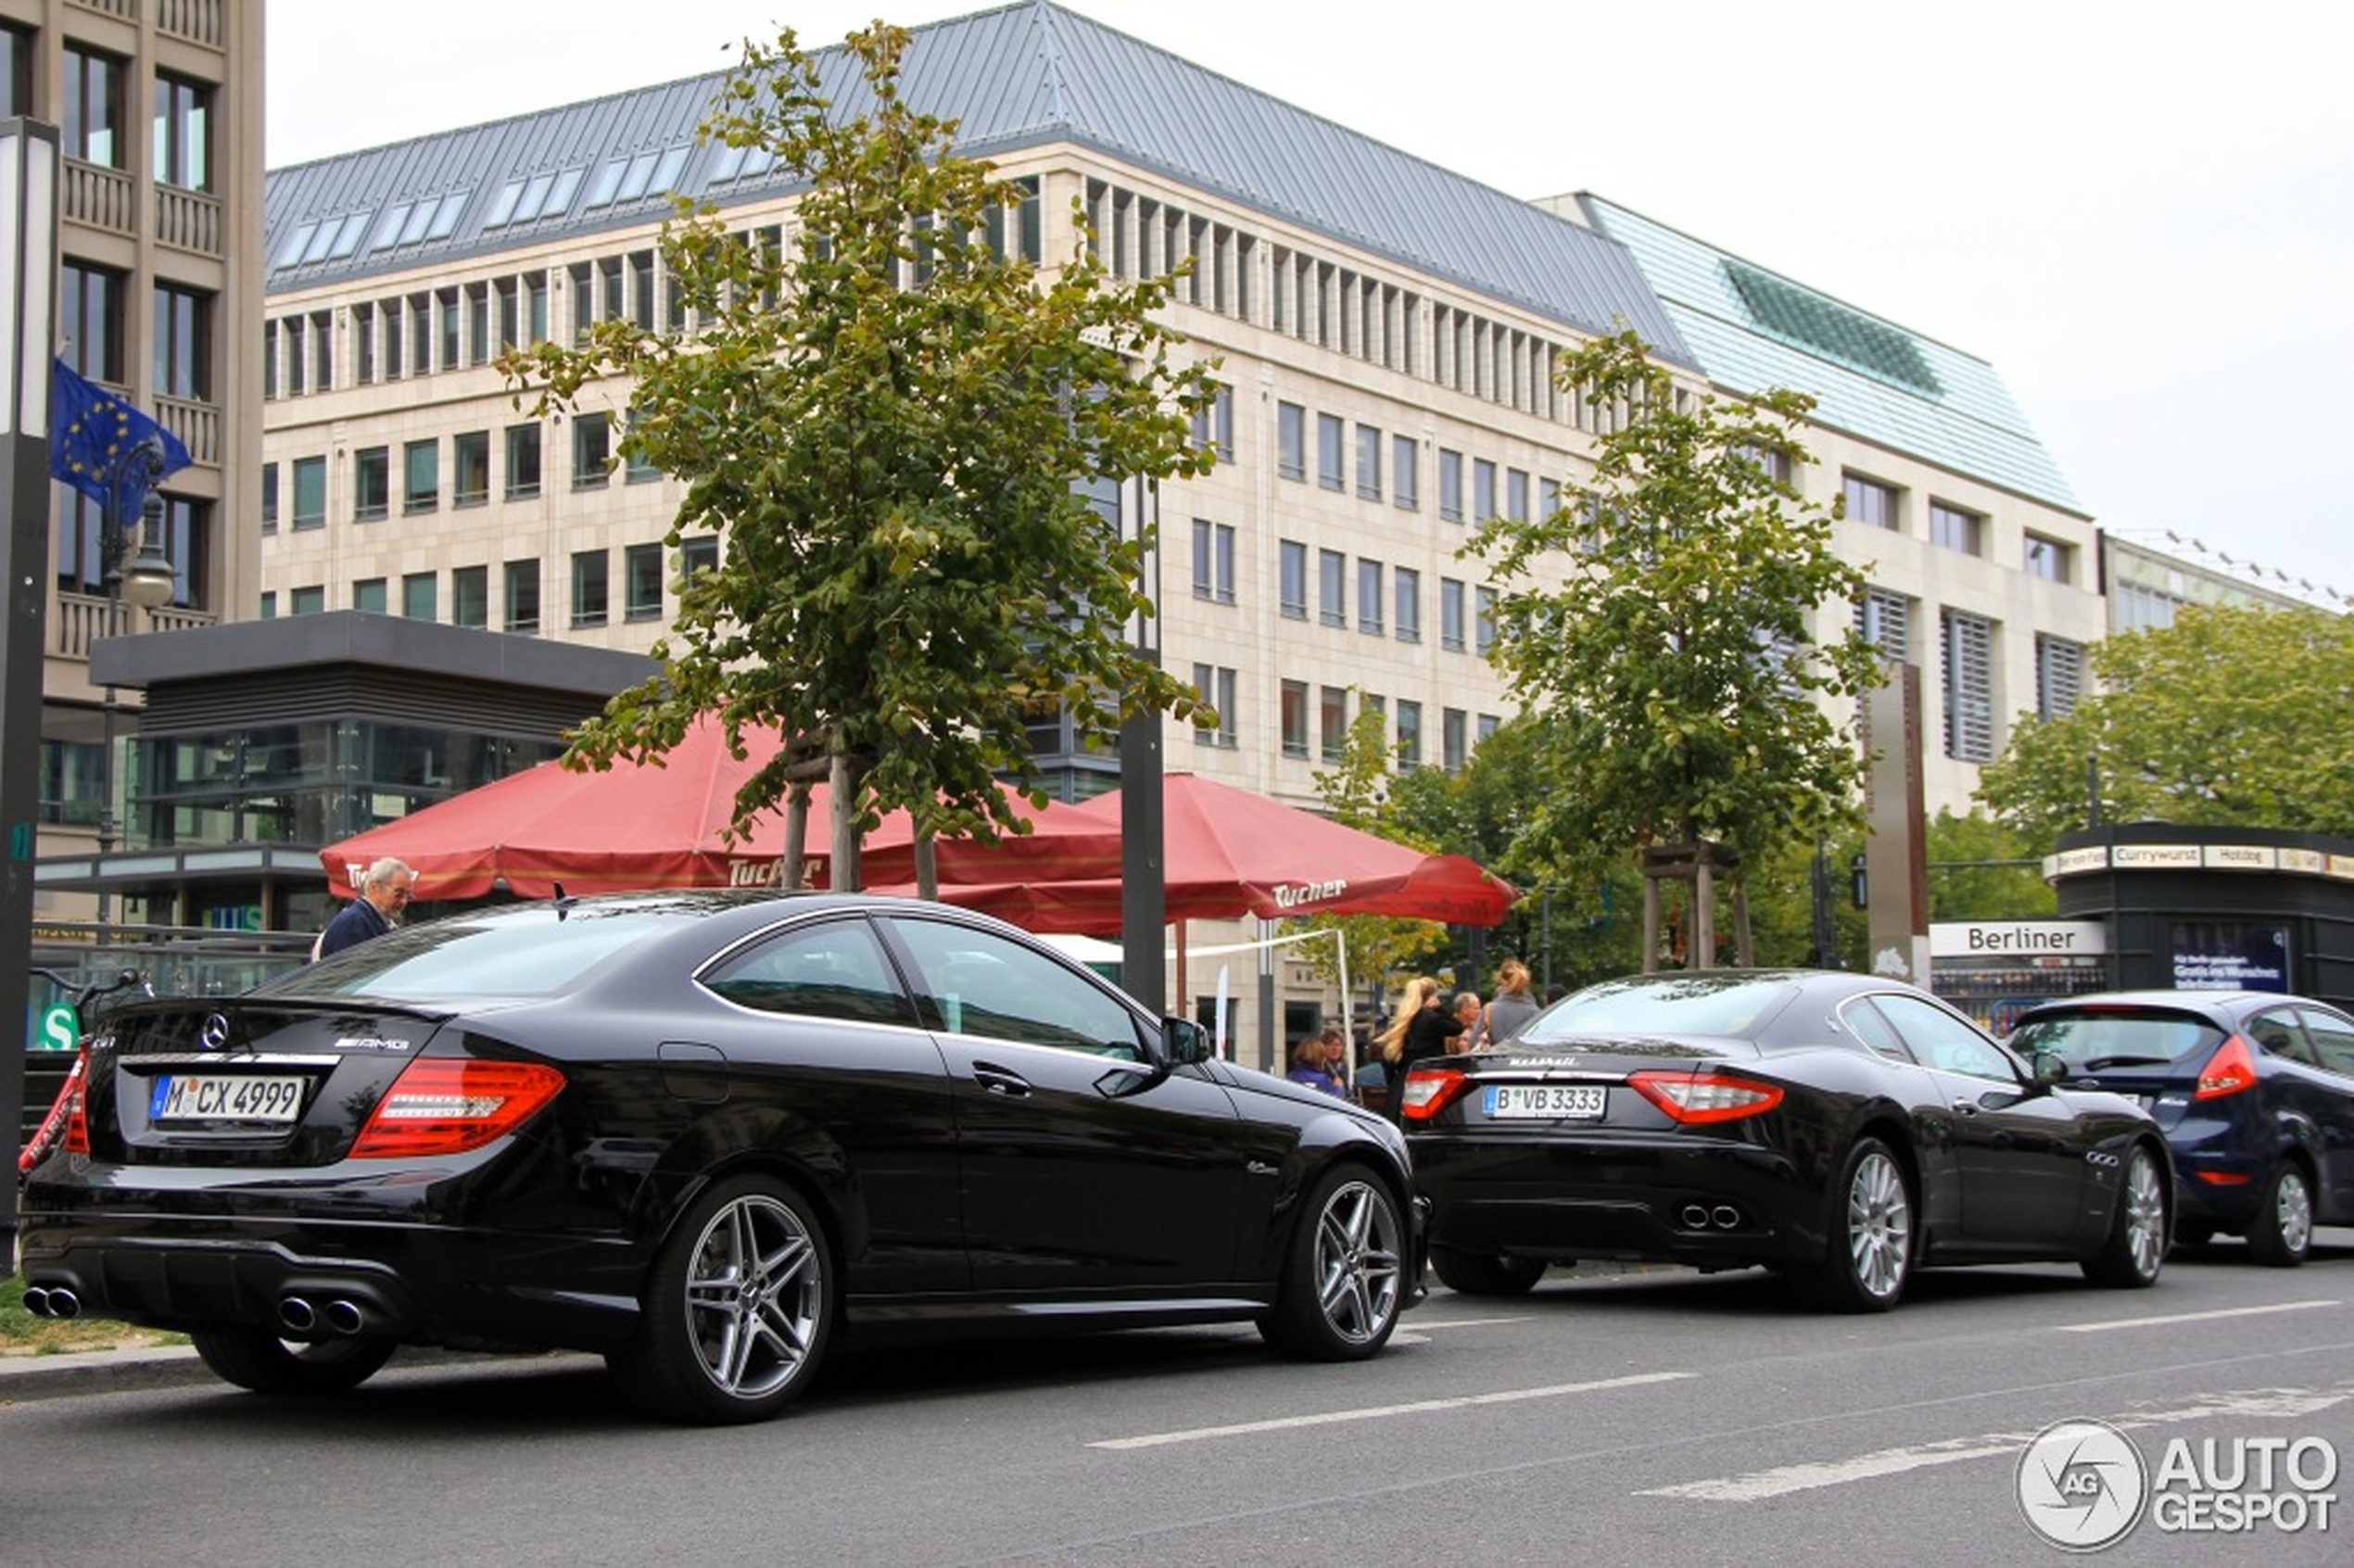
(1383,1413)
(1759,1485)
(1462,1322)
(2108,1324)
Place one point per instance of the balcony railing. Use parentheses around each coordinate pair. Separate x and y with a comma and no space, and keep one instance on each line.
(199,21)
(188,220)
(197,424)
(81,620)
(102,198)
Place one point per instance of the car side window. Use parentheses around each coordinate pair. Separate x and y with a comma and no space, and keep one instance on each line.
(1940,1040)
(977,982)
(2276,1034)
(1865,1021)
(2332,1038)
(835,969)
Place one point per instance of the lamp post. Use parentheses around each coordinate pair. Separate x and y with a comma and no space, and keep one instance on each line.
(146,581)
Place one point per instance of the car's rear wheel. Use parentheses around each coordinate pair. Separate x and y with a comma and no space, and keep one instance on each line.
(1485,1273)
(2135,1247)
(1344,1278)
(259,1360)
(1870,1253)
(2281,1233)
(737,1309)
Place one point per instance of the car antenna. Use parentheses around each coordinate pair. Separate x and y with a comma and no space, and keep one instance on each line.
(564,901)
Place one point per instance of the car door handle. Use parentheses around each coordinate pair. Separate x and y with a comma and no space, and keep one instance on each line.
(997,1080)
(1966,1108)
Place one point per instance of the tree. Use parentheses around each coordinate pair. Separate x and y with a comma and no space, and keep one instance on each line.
(1658,622)
(895,424)
(1980,869)
(2228,718)
(1357,791)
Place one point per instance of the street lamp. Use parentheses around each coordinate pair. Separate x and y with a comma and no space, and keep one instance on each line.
(147,581)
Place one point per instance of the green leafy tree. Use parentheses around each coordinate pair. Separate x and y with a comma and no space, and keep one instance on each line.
(1357,791)
(2228,718)
(1659,624)
(894,423)
(1982,870)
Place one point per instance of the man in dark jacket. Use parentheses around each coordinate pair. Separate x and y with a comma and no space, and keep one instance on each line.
(384,893)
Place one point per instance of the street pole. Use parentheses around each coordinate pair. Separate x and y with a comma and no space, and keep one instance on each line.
(28,332)
(149,584)
(1143,906)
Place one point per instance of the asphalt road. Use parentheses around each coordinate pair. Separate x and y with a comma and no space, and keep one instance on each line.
(1659,1418)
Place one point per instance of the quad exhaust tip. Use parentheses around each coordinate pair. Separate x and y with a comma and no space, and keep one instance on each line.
(1701,1217)
(300,1315)
(52,1301)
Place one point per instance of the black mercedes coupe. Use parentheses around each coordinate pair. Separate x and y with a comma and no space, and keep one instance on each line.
(1840,1129)
(701,1134)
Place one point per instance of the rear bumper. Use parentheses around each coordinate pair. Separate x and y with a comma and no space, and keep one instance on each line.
(1657,1200)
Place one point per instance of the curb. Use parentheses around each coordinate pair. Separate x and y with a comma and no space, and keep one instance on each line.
(99,1372)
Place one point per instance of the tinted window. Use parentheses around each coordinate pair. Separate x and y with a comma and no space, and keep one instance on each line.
(2276,1034)
(1688,1005)
(2116,1037)
(977,982)
(1874,1031)
(1940,1040)
(834,971)
(529,952)
(2332,1038)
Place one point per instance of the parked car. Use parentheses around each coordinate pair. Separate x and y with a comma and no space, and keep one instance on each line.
(2255,1091)
(1841,1129)
(701,1134)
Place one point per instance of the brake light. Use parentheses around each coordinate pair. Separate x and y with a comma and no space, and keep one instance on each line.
(65,1116)
(1694,1096)
(2229,1071)
(447,1105)
(1430,1091)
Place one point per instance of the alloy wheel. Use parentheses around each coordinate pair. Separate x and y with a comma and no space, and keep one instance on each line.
(754,1295)
(1880,1225)
(1358,1262)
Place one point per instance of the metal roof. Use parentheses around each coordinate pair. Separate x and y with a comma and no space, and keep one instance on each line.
(1017,77)
(1753,330)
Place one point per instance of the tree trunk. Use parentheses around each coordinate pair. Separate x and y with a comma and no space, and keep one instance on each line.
(842,782)
(796,838)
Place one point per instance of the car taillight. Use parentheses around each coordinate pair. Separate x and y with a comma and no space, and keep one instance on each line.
(447,1105)
(65,1116)
(2229,1071)
(1430,1091)
(1705,1096)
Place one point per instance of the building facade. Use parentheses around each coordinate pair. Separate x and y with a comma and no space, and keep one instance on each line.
(1385,333)
(158,104)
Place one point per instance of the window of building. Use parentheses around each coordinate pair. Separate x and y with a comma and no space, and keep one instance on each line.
(1370,600)
(421,477)
(417,597)
(268,497)
(1368,462)
(469,466)
(2060,676)
(2050,560)
(1216,685)
(697,555)
(1548,498)
(591,572)
(1213,561)
(1516,495)
(310,493)
(1952,529)
(641,582)
(469,596)
(1332,723)
(1450,615)
(311,600)
(388,338)
(522,460)
(641,289)
(1291,441)
(452,336)
(591,452)
(1410,733)
(510,294)
(1885,620)
(419,333)
(368,596)
(1483,627)
(523,596)
(1330,453)
(182,343)
(93,128)
(322,351)
(1969,686)
(1454,739)
(1214,425)
(16,70)
(1451,485)
(1482,491)
(1408,585)
(1295,718)
(1869,502)
(1332,587)
(90,321)
(183,133)
(1403,475)
(1292,578)
(477,323)
(370,484)
(363,338)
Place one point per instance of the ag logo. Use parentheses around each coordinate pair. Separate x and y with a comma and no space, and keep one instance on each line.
(2081,1484)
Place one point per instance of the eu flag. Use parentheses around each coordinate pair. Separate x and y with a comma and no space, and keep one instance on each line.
(93,435)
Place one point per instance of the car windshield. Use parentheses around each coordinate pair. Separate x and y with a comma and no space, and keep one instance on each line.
(522,950)
(2116,1038)
(1673,1004)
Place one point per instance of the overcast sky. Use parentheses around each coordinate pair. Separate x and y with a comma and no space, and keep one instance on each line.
(2141,213)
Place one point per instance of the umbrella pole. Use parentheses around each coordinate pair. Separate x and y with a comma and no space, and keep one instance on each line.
(1347,1025)
(1182,1007)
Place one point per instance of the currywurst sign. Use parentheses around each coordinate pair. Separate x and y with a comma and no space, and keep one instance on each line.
(2016,939)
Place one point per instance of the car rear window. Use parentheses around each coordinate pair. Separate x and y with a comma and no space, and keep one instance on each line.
(1679,1006)
(511,953)
(2116,1038)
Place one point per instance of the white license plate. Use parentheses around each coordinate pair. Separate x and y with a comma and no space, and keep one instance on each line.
(1546,1102)
(209,1099)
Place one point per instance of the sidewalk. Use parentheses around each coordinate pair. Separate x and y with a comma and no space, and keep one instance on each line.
(99,1372)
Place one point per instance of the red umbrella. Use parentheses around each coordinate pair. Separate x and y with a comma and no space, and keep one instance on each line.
(1229,853)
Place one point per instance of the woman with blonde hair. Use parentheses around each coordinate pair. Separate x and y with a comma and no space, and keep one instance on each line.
(1420,1031)
(1509,1011)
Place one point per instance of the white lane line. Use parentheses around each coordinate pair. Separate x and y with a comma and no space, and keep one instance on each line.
(2109,1323)
(1761,1484)
(1419,1323)
(1383,1413)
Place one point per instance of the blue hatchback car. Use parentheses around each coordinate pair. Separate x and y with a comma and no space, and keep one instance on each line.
(2255,1092)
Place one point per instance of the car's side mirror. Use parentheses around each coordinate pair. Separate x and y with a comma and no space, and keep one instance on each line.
(2049,1069)
(1187,1042)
